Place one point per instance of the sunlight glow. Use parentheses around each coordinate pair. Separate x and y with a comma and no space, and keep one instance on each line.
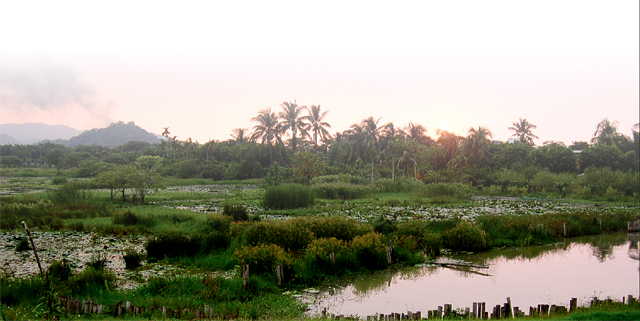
(444,124)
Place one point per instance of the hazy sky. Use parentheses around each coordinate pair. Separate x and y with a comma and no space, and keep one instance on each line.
(204,69)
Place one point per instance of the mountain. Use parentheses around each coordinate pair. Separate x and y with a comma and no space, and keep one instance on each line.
(6,139)
(31,133)
(114,135)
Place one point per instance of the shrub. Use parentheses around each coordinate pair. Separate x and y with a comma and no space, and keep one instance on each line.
(287,196)
(172,245)
(59,271)
(90,280)
(59,180)
(419,231)
(216,223)
(22,245)
(370,250)
(287,235)
(340,190)
(127,218)
(466,237)
(383,225)
(457,190)
(334,226)
(400,184)
(237,212)
(98,263)
(343,178)
(215,241)
(132,259)
(262,258)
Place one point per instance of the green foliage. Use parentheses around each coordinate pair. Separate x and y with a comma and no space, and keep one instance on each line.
(91,280)
(236,212)
(466,237)
(127,218)
(132,259)
(217,222)
(22,245)
(343,178)
(400,184)
(263,258)
(307,165)
(419,230)
(277,175)
(339,190)
(384,225)
(172,245)
(59,271)
(333,226)
(59,180)
(600,180)
(287,196)
(287,234)
(556,158)
(455,190)
(370,250)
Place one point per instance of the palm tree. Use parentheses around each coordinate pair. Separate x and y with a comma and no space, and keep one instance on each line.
(449,142)
(372,134)
(292,121)
(416,132)
(477,142)
(522,130)
(606,133)
(267,129)
(316,123)
(240,135)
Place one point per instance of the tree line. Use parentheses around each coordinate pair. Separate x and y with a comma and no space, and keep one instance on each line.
(295,143)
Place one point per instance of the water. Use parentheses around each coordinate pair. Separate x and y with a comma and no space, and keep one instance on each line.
(598,266)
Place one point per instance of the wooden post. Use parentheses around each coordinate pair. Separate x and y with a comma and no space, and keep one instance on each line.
(245,275)
(33,245)
(564,227)
(447,310)
(573,305)
(508,308)
(389,250)
(279,273)
(332,258)
(439,312)
(474,313)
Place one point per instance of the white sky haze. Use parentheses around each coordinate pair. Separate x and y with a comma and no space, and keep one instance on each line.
(204,68)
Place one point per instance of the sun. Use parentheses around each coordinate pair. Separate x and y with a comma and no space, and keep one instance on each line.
(444,124)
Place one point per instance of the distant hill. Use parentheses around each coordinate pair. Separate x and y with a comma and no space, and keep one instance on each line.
(6,139)
(31,133)
(114,135)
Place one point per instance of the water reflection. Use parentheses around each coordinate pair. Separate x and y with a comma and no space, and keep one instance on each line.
(602,265)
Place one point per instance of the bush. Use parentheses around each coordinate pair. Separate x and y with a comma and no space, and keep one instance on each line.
(132,260)
(59,180)
(237,212)
(370,250)
(334,226)
(59,271)
(287,196)
(90,280)
(400,184)
(22,245)
(288,235)
(127,218)
(340,190)
(343,178)
(216,223)
(98,263)
(383,225)
(456,190)
(172,245)
(419,231)
(466,237)
(262,258)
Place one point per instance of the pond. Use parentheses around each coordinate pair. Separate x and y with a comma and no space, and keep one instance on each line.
(597,266)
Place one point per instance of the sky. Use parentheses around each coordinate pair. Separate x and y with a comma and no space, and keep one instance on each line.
(205,68)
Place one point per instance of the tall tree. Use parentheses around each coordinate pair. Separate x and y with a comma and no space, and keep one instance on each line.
(317,125)
(292,121)
(372,134)
(477,143)
(522,129)
(607,133)
(266,130)
(239,135)
(416,132)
